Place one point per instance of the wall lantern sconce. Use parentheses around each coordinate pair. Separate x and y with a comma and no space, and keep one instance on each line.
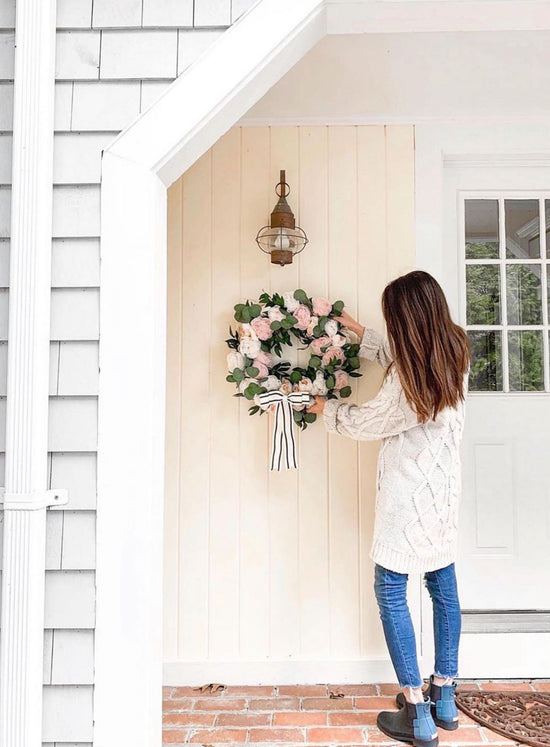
(282,239)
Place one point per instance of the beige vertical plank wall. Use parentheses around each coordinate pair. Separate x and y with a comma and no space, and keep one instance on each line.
(264,566)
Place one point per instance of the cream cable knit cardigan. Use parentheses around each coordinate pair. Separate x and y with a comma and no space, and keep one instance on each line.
(419,481)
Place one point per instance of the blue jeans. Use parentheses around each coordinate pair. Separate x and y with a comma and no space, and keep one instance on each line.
(391,594)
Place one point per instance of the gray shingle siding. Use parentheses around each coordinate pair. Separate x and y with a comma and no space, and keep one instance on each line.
(113,60)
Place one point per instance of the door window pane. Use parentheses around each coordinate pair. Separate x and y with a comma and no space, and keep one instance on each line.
(486,366)
(523,294)
(522,228)
(481,229)
(525,361)
(483,294)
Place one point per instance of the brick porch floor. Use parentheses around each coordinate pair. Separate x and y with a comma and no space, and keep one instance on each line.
(303,715)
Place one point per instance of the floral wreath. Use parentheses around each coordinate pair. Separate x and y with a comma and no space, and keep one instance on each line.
(264,327)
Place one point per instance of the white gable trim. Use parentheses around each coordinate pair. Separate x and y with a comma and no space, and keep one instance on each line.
(192,114)
(136,169)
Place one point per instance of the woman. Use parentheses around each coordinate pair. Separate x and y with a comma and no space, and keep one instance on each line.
(419,414)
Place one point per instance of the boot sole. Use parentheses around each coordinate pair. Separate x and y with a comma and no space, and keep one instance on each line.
(446,725)
(409,740)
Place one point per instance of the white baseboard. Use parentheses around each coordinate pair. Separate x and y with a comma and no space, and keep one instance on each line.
(278,672)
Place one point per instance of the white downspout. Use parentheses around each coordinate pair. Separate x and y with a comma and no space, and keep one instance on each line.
(26,495)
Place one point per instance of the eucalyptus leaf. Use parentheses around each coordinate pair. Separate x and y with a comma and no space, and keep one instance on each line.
(238,374)
(330,381)
(310,417)
(315,361)
(252,371)
(295,377)
(345,391)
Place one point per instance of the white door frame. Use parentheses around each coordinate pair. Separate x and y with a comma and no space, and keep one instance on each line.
(441,146)
(137,168)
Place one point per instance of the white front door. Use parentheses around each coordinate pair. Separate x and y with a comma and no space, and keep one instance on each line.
(496,272)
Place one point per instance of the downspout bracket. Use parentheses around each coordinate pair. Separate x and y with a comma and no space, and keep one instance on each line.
(37,499)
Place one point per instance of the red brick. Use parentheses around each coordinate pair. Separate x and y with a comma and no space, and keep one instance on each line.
(465,686)
(375,735)
(188,718)
(492,687)
(300,718)
(376,704)
(327,704)
(186,692)
(463,735)
(492,736)
(541,687)
(177,705)
(346,718)
(243,719)
(219,704)
(274,704)
(334,734)
(389,689)
(175,736)
(302,691)
(219,735)
(256,691)
(166,690)
(355,689)
(276,735)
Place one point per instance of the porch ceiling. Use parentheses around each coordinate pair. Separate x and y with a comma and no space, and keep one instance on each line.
(483,75)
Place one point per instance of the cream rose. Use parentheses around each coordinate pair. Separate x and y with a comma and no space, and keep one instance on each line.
(331,328)
(271,383)
(319,385)
(249,347)
(275,314)
(235,360)
(338,341)
(290,302)
(285,387)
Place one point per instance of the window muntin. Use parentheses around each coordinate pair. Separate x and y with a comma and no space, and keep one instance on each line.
(507,276)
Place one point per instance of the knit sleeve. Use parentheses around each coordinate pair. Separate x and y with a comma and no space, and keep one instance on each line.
(375,347)
(385,415)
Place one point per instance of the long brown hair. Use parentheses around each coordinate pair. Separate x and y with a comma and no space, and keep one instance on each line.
(430,352)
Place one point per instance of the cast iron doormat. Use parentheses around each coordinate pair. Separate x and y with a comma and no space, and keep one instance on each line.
(524,717)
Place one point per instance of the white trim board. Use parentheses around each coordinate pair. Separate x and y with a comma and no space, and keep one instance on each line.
(356,671)
(137,168)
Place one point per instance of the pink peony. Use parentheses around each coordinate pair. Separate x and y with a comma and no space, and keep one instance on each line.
(303,316)
(341,379)
(264,358)
(319,343)
(321,307)
(262,369)
(331,353)
(262,327)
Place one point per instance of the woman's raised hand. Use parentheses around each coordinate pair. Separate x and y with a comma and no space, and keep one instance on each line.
(348,321)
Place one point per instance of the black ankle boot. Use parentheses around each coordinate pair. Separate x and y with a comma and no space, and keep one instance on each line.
(443,706)
(413,723)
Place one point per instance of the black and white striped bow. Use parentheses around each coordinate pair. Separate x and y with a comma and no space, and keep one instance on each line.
(283,445)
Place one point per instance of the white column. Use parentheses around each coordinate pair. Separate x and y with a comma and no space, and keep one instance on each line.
(26,494)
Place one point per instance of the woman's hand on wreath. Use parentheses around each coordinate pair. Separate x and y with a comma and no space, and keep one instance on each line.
(318,406)
(348,321)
